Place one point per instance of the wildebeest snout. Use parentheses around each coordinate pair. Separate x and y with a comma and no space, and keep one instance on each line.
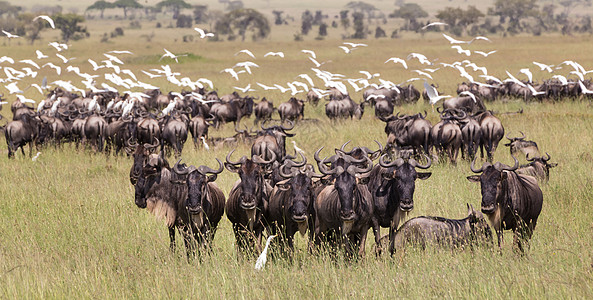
(347,215)
(406,204)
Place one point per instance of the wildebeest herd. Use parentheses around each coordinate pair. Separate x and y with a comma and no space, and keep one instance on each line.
(279,193)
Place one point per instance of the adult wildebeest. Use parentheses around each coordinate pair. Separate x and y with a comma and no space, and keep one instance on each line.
(408,131)
(139,153)
(509,200)
(263,111)
(231,111)
(383,107)
(519,144)
(492,132)
(272,140)
(291,201)
(148,129)
(292,110)
(94,131)
(537,167)
(174,132)
(313,97)
(392,187)
(205,200)
(21,132)
(423,231)
(344,209)
(119,132)
(340,108)
(466,103)
(248,199)
(198,127)
(471,135)
(446,135)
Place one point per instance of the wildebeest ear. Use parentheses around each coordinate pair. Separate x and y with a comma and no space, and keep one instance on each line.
(211,178)
(552,165)
(474,178)
(231,167)
(423,175)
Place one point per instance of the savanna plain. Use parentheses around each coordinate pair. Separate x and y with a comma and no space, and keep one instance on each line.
(69,227)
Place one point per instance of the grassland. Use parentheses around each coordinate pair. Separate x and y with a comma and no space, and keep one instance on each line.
(69,227)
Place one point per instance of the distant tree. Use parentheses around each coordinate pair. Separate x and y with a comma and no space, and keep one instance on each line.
(234,5)
(32,29)
(323,29)
(278,20)
(514,11)
(379,32)
(470,16)
(201,14)
(68,25)
(409,12)
(101,6)
(360,6)
(458,18)
(344,20)
(183,21)
(570,5)
(126,5)
(9,9)
(318,19)
(359,32)
(174,5)
(449,15)
(306,22)
(240,22)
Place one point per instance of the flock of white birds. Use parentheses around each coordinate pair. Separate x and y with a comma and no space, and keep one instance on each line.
(21,75)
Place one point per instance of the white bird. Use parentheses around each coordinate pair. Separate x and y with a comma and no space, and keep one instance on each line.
(515,80)
(115,59)
(59,47)
(454,41)
(369,75)
(431,70)
(232,72)
(12,88)
(40,54)
(95,65)
(281,88)
(6,59)
(434,24)
(461,50)
(120,52)
(422,73)
(23,99)
(10,35)
(420,57)
(36,156)
(297,149)
(310,52)
(483,38)
(281,54)
(579,74)
(265,87)
(261,260)
(35,85)
(544,66)
(58,69)
(527,73)
(246,52)
(433,94)
(316,63)
(561,78)
(204,143)
(41,105)
(307,78)
(485,54)
(354,45)
(151,75)
(490,77)
(375,97)
(533,91)
(398,60)
(171,55)
(47,18)
(129,73)
(346,49)
(247,65)
(64,59)
(245,89)
(468,93)
(202,33)
(31,62)
(584,89)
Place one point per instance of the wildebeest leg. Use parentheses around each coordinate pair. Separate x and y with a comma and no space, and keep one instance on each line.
(362,241)
(377,233)
(172,239)
(30,149)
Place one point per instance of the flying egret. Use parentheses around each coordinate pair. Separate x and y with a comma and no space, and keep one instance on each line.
(461,50)
(433,94)
(246,51)
(12,88)
(47,18)
(533,91)
(10,35)
(485,54)
(398,60)
(281,54)
(265,87)
(316,63)
(420,57)
(470,94)
(6,59)
(561,78)
(515,80)
(310,52)
(171,55)
(423,73)
(346,49)
(483,38)
(232,72)
(120,52)
(354,45)
(58,69)
(527,73)
(434,24)
(544,66)
(245,89)
(584,89)
(64,59)
(40,54)
(369,75)
(202,33)
(263,257)
(454,41)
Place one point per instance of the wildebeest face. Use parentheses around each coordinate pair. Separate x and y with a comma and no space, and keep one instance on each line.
(402,183)
(197,185)
(491,185)
(250,174)
(301,196)
(344,185)
(142,187)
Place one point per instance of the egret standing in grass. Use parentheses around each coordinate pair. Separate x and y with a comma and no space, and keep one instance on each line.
(261,260)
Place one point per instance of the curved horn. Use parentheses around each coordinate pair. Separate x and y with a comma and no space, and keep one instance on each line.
(485,165)
(316,155)
(205,169)
(414,163)
(523,136)
(259,160)
(509,138)
(129,142)
(152,146)
(353,169)
(547,159)
(180,169)
(265,128)
(323,168)
(398,162)
(513,168)
(239,162)
(344,146)
(425,114)
(288,128)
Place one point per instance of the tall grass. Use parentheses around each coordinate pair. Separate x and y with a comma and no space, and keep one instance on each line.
(69,227)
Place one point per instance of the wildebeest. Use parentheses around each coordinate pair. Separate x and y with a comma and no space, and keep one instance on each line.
(392,187)
(471,135)
(446,135)
(21,132)
(492,133)
(198,127)
(344,209)
(94,131)
(263,110)
(248,199)
(231,111)
(465,103)
(340,108)
(293,109)
(139,152)
(519,144)
(538,167)
(423,231)
(509,200)
(272,139)
(408,131)
(148,129)
(291,201)
(205,200)
(118,132)
(174,132)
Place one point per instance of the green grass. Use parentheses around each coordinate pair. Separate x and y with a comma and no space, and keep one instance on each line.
(69,227)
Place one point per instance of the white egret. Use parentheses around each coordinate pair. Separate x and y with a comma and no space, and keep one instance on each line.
(47,18)
(297,149)
(461,50)
(6,59)
(398,60)
(34,158)
(354,45)
(527,73)
(433,94)
(454,41)
(10,35)
(40,54)
(281,54)
(468,93)
(310,52)
(263,257)
(204,143)
(584,89)
(533,91)
(544,67)
(171,55)
(369,75)
(434,24)
(265,87)
(202,33)
(232,72)
(485,54)
(245,51)
(346,49)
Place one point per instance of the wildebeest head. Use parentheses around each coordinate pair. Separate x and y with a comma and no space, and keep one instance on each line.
(478,224)
(519,144)
(491,182)
(300,186)
(400,180)
(251,171)
(149,175)
(345,170)
(140,154)
(197,183)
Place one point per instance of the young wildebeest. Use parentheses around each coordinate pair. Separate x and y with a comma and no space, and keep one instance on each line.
(423,231)
(510,200)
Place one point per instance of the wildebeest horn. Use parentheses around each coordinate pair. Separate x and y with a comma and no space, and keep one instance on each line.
(152,146)
(288,128)
(425,114)
(344,146)
(259,160)
(523,136)
(180,169)
(439,110)
(263,127)
(501,167)
(398,162)
(205,169)
(316,155)
(485,165)
(239,162)
(547,159)
(323,168)
(414,163)
(509,138)
(130,144)
(289,163)
(353,169)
